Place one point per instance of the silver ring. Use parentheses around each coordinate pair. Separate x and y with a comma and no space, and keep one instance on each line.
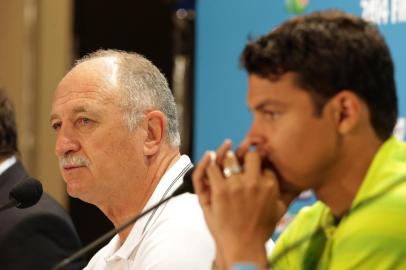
(229,171)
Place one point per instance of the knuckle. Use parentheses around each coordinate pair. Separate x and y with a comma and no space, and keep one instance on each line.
(270,186)
(220,191)
(253,187)
(235,189)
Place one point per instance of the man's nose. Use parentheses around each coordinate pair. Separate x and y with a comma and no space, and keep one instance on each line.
(66,141)
(255,134)
(252,138)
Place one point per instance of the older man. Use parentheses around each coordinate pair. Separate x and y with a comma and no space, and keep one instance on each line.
(117,142)
(322,91)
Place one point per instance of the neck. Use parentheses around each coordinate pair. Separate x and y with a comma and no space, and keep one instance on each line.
(345,179)
(133,197)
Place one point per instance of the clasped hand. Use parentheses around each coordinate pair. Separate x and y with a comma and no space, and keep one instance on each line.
(242,208)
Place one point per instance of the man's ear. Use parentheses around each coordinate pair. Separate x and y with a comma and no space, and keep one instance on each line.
(347,110)
(155,125)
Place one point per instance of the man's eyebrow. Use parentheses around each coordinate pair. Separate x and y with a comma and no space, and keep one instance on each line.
(269,102)
(76,110)
(80,109)
(53,117)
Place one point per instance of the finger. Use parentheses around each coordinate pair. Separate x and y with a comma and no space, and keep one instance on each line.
(231,165)
(252,166)
(269,175)
(230,159)
(243,148)
(222,151)
(215,176)
(285,197)
(198,176)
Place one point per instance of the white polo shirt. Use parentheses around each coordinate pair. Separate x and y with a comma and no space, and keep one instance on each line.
(174,237)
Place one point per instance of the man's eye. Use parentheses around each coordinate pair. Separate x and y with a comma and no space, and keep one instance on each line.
(271,114)
(84,121)
(56,126)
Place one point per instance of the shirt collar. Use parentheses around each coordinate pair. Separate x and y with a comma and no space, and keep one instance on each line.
(7,164)
(385,171)
(382,174)
(172,178)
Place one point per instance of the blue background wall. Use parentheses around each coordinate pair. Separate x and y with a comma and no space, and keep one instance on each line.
(223,27)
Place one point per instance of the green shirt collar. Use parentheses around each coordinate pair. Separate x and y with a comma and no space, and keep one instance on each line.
(384,171)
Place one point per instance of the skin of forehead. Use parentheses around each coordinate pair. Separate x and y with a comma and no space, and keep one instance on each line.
(104,69)
(99,74)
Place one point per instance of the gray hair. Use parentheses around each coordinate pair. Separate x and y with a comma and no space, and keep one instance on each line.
(145,88)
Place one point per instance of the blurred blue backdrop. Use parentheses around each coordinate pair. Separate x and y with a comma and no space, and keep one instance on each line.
(223,27)
(222,30)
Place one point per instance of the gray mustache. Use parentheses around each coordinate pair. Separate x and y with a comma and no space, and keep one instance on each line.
(73,161)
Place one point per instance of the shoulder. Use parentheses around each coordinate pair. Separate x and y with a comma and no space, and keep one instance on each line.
(43,227)
(185,202)
(375,232)
(41,238)
(382,217)
(178,239)
(47,221)
(307,220)
(98,261)
(181,218)
(46,207)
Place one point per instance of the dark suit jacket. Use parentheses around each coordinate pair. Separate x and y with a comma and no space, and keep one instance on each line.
(35,238)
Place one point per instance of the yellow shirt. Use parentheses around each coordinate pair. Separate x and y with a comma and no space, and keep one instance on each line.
(371,236)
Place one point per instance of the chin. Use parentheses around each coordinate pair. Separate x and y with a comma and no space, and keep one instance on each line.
(79,192)
(73,192)
(73,188)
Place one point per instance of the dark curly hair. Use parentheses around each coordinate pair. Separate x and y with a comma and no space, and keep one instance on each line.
(8,128)
(331,51)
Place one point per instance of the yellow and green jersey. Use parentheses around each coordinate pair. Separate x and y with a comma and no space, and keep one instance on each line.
(371,236)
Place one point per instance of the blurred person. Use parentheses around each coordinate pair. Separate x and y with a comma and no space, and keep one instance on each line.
(37,237)
(322,92)
(117,141)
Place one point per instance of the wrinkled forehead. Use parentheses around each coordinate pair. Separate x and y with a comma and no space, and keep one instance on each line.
(91,82)
(99,74)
